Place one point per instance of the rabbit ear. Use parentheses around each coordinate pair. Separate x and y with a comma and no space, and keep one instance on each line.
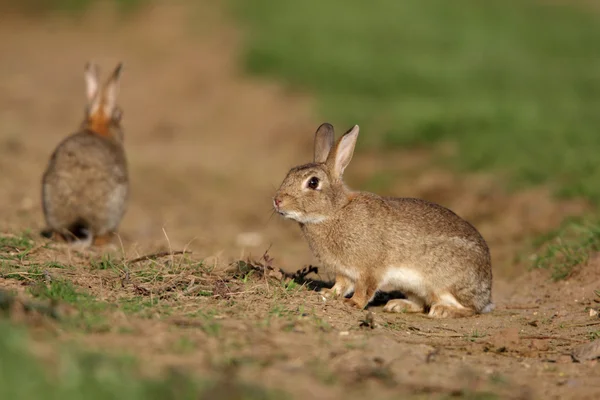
(102,110)
(324,139)
(340,158)
(91,81)
(111,90)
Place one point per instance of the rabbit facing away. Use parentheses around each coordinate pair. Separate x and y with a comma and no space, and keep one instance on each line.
(439,261)
(85,186)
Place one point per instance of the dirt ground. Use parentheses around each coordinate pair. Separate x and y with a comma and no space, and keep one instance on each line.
(207,147)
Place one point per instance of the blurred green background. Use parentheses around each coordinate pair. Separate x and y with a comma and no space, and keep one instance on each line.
(514,83)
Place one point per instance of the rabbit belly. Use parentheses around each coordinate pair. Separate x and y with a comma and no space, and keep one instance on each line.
(405,279)
(412,283)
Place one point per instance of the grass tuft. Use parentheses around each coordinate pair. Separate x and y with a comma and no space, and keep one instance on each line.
(568,247)
(15,247)
(59,290)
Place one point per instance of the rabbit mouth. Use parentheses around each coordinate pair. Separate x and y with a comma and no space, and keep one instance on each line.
(302,218)
(289,214)
(295,215)
(298,216)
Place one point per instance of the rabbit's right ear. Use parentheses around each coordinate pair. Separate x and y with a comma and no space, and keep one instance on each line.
(340,157)
(111,90)
(324,139)
(91,81)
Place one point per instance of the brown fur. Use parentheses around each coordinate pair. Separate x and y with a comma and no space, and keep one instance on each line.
(375,243)
(99,123)
(85,186)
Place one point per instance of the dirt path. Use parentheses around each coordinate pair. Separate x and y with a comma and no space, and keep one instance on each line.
(207,147)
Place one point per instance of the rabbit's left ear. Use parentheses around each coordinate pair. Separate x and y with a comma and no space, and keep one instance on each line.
(341,156)
(91,81)
(324,139)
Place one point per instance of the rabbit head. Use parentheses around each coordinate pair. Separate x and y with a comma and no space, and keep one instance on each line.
(313,192)
(102,115)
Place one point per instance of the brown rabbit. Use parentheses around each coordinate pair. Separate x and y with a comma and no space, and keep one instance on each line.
(85,186)
(437,260)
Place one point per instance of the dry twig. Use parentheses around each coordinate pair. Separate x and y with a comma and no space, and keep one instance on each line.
(160,254)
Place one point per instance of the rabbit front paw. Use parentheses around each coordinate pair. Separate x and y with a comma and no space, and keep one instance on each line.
(330,293)
(354,303)
(342,287)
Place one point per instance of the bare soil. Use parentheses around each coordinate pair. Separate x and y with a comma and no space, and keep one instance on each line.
(207,147)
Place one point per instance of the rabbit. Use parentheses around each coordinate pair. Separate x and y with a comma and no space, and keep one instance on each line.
(85,186)
(439,261)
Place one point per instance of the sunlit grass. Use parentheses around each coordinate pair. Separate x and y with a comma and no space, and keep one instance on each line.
(515,84)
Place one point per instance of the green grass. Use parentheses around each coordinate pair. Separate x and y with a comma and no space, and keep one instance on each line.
(91,313)
(473,336)
(50,289)
(137,304)
(514,83)
(80,375)
(106,262)
(568,247)
(15,248)
(60,290)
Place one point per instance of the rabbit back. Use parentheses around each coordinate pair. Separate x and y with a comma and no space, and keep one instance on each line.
(86,183)
(406,244)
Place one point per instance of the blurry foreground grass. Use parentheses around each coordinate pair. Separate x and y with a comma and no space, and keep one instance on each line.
(514,83)
(79,375)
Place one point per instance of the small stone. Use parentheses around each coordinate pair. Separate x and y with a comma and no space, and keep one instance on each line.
(586,352)
(593,313)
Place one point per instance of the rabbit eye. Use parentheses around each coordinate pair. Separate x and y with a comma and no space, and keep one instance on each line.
(313,183)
